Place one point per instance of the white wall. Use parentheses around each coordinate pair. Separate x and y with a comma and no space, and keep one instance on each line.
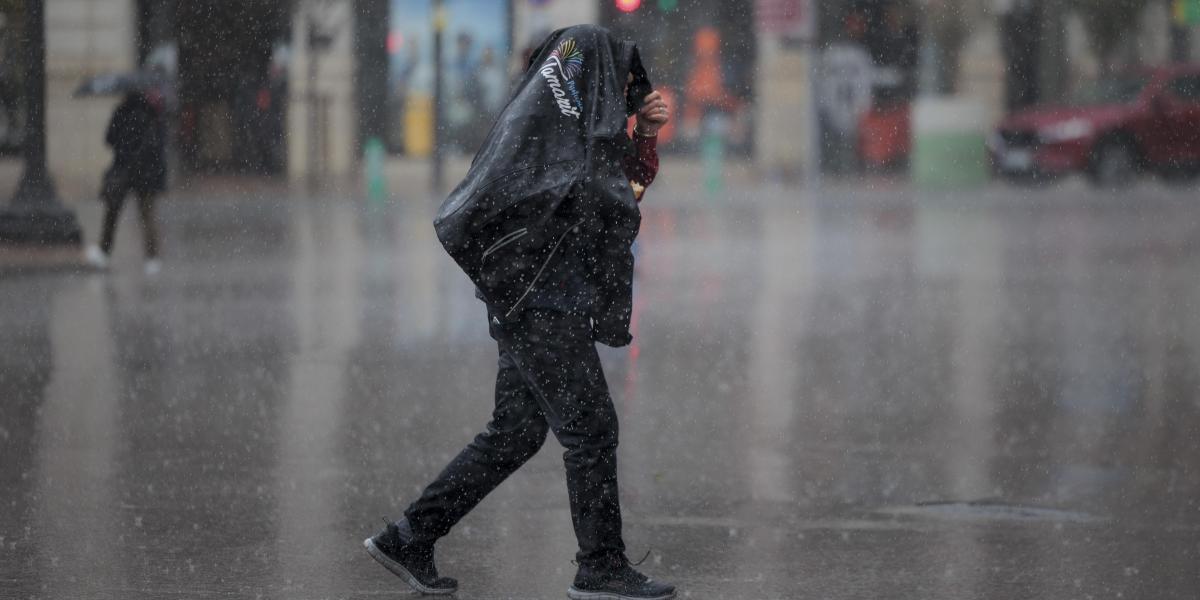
(83,38)
(782,106)
(334,84)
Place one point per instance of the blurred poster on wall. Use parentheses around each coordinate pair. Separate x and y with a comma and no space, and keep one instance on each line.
(701,54)
(475,47)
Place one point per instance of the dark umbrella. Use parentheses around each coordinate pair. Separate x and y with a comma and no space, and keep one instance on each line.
(116,84)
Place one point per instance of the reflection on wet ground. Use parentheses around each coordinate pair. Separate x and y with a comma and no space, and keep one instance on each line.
(861,395)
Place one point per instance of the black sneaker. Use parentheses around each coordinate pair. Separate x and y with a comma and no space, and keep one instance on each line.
(616,580)
(411,561)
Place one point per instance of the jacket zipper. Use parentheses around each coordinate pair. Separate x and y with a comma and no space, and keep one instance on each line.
(539,273)
(504,241)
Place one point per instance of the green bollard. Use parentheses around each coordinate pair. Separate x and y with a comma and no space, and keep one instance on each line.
(949,149)
(712,152)
(374,158)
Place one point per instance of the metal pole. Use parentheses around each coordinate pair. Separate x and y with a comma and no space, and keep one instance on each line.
(437,158)
(35,182)
(313,117)
(813,157)
(35,214)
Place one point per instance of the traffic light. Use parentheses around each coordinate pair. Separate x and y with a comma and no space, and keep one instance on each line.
(628,6)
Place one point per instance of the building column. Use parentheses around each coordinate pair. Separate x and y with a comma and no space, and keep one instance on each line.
(83,38)
(782,146)
(1052,66)
(322,118)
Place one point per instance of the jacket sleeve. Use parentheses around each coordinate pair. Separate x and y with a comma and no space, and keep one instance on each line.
(613,312)
(642,165)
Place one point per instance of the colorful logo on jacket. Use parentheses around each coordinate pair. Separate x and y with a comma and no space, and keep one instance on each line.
(560,69)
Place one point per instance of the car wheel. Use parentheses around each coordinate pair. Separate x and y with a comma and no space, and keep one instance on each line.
(1030,179)
(1114,164)
(1181,174)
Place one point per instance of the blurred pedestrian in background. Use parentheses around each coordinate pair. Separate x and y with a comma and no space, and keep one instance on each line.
(137,135)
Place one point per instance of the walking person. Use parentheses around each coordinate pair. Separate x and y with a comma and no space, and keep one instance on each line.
(543,224)
(137,136)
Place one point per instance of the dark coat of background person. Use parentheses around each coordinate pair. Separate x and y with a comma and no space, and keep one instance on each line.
(546,208)
(137,135)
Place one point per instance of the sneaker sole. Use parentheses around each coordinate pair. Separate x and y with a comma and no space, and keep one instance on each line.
(575,594)
(398,570)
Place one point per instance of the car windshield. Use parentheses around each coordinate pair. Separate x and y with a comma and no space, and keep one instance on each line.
(1121,89)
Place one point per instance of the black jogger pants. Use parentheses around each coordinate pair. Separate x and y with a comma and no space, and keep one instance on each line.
(113,202)
(549,379)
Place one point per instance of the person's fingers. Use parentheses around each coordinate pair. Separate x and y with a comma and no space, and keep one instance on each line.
(655,109)
(657,105)
(658,114)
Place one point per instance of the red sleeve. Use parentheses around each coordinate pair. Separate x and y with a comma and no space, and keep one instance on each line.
(642,165)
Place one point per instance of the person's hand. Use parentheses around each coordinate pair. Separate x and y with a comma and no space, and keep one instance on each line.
(653,115)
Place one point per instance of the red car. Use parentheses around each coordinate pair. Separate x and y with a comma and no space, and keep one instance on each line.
(1112,128)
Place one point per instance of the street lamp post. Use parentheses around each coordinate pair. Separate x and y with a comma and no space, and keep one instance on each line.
(35,216)
(312,101)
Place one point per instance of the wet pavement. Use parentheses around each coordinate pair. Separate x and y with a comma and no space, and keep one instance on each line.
(864,394)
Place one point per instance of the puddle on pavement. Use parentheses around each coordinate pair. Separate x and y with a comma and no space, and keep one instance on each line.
(990,510)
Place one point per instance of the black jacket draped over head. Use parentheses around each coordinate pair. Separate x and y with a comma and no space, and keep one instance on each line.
(548,175)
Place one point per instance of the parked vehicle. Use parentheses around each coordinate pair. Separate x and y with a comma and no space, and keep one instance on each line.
(1113,128)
